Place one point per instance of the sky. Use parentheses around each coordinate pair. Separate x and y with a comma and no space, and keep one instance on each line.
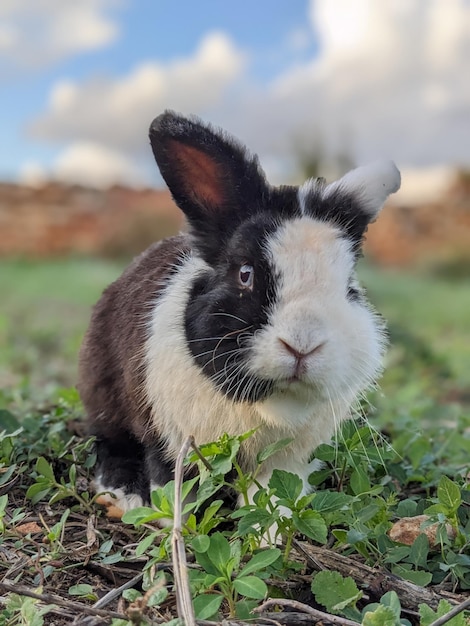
(80,82)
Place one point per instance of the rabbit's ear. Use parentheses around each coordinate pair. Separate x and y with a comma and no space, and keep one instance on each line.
(212,178)
(353,201)
(370,185)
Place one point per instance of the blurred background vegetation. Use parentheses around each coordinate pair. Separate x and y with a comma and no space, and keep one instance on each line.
(83,238)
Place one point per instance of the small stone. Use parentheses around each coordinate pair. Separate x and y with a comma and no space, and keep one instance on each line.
(407,529)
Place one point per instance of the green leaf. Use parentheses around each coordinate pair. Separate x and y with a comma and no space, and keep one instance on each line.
(58,496)
(5,477)
(250,519)
(200,543)
(325,452)
(287,486)
(221,464)
(207,605)
(244,608)
(392,600)
(335,592)
(146,542)
(3,503)
(219,551)
(83,590)
(272,449)
(37,492)
(158,596)
(260,561)
(428,616)
(419,551)
(381,616)
(187,487)
(215,559)
(330,500)
(359,481)
(407,508)
(311,524)
(448,494)
(205,562)
(141,515)
(251,587)
(208,519)
(44,468)
(418,577)
(397,553)
(437,509)
(131,595)
(8,421)
(235,555)
(208,488)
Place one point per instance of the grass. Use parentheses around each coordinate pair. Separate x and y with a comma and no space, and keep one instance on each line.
(45,309)
(432,309)
(423,407)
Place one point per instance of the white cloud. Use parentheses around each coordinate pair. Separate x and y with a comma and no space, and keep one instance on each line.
(390,75)
(389,80)
(85,163)
(118,112)
(93,164)
(37,33)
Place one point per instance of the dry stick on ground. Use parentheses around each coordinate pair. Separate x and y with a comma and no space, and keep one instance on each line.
(376,579)
(184,603)
(50,598)
(455,611)
(114,593)
(305,608)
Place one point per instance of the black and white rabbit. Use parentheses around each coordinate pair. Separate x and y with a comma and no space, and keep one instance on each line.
(253,319)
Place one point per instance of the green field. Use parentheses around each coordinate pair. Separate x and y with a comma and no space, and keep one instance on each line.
(45,307)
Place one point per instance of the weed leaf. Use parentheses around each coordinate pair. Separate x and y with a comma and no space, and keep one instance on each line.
(43,467)
(428,616)
(207,605)
(311,524)
(251,587)
(272,449)
(335,592)
(381,616)
(287,486)
(260,561)
(419,551)
(448,494)
(201,543)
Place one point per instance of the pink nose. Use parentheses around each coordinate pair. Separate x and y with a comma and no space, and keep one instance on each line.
(299,355)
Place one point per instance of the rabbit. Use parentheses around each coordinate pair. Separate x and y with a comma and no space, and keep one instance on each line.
(254,319)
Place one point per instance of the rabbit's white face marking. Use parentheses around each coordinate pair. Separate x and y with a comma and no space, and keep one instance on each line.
(318,345)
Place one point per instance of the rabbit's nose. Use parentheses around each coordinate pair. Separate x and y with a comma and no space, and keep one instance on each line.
(300,354)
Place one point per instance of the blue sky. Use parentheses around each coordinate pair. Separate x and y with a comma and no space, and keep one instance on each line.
(81,81)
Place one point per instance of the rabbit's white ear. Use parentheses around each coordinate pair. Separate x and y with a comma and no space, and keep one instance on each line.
(370,184)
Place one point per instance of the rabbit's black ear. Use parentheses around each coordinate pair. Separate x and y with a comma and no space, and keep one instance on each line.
(212,178)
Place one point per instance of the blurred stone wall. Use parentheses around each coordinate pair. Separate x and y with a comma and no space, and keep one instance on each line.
(59,220)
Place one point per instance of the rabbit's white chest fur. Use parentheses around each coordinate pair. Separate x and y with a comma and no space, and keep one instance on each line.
(310,261)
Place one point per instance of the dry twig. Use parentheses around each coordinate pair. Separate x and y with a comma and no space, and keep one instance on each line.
(377,580)
(184,603)
(114,593)
(452,613)
(50,598)
(305,608)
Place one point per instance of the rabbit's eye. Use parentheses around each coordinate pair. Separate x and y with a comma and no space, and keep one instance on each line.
(245,276)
